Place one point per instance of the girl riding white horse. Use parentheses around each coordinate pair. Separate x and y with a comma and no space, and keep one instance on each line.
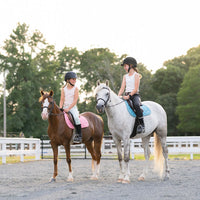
(121,124)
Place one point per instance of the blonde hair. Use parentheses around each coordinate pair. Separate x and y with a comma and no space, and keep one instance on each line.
(135,68)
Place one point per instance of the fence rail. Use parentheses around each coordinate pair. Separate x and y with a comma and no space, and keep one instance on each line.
(19,147)
(176,145)
(37,147)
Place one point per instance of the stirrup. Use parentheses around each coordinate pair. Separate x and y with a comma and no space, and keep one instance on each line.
(140,129)
(77,139)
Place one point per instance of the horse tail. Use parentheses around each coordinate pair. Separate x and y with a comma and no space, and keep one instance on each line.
(158,156)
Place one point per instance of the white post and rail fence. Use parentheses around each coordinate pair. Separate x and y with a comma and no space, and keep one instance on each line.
(42,149)
(19,147)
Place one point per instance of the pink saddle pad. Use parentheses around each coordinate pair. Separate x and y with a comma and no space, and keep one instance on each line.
(84,122)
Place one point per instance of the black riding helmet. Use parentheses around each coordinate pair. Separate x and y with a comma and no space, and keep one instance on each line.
(70,75)
(129,61)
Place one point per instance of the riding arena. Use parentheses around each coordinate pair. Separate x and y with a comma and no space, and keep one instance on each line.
(109,167)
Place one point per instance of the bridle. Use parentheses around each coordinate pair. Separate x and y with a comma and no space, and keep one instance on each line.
(106,101)
(51,108)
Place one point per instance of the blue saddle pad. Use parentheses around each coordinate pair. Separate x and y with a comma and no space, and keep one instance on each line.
(146,110)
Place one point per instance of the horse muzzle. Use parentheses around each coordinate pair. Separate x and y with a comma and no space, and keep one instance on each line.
(44,115)
(100,108)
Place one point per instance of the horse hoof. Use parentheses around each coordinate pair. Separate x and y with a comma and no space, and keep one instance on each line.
(166,178)
(141,178)
(94,178)
(125,181)
(70,180)
(52,180)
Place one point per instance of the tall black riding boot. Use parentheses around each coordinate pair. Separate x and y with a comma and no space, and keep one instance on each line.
(140,127)
(78,135)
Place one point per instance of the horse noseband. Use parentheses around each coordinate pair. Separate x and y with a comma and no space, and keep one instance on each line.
(105,101)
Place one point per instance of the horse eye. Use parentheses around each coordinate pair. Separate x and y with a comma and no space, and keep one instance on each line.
(107,93)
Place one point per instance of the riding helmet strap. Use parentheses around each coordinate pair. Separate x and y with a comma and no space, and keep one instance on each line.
(70,83)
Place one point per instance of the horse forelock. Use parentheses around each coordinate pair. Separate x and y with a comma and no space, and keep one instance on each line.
(46,95)
(101,86)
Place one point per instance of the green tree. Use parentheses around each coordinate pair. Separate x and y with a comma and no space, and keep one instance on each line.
(99,64)
(68,58)
(166,82)
(188,108)
(31,66)
(147,92)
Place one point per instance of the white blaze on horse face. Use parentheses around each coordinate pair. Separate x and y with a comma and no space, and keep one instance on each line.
(44,113)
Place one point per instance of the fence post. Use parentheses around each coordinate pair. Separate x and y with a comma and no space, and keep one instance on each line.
(37,154)
(85,153)
(103,147)
(191,154)
(4,156)
(22,149)
(42,156)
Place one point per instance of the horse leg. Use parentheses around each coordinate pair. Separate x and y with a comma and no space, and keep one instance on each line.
(126,160)
(97,148)
(165,155)
(145,145)
(55,161)
(68,159)
(90,148)
(119,152)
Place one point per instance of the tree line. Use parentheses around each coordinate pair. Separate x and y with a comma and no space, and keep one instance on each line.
(31,64)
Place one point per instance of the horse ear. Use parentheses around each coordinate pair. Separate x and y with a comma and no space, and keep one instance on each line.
(98,83)
(42,92)
(107,82)
(51,93)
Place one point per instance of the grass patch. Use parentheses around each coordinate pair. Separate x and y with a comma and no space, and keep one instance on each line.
(171,157)
(16,159)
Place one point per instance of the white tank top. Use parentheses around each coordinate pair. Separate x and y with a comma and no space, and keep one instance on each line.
(69,96)
(130,83)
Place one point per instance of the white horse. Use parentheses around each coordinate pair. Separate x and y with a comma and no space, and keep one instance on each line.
(121,124)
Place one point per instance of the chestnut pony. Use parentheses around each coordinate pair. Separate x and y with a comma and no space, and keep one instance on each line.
(60,134)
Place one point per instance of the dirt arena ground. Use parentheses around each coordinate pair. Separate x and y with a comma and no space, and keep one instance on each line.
(30,181)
